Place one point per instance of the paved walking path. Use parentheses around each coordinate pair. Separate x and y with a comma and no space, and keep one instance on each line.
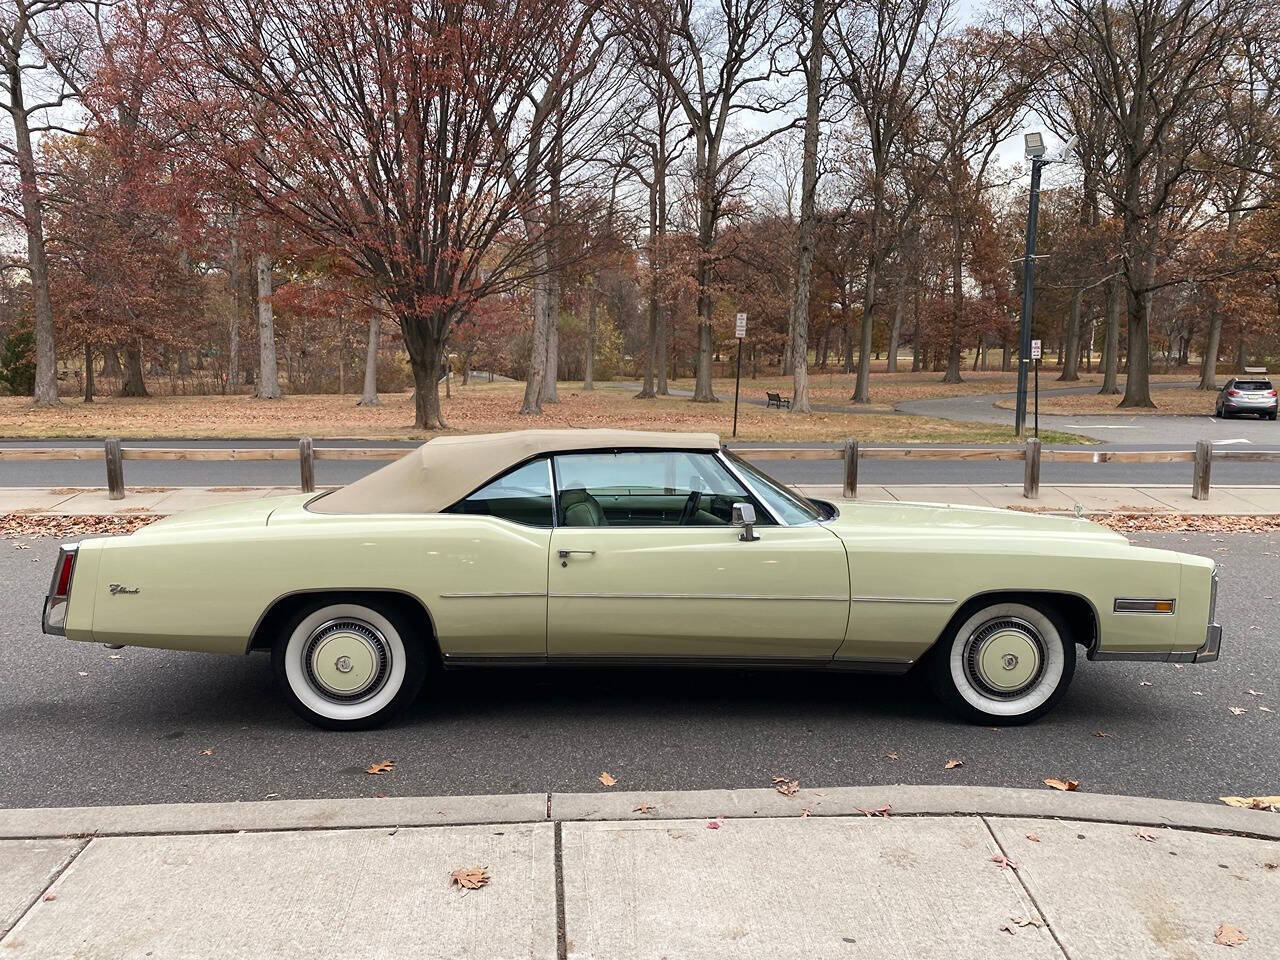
(868,872)
(1090,498)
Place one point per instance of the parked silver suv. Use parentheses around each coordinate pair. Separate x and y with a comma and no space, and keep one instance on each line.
(1247,395)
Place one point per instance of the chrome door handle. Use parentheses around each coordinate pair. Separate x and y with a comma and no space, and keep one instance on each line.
(565,554)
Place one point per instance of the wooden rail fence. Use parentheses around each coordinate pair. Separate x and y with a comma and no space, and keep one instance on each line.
(1203,456)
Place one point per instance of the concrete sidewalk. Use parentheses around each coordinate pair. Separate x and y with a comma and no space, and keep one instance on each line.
(867,872)
(1100,498)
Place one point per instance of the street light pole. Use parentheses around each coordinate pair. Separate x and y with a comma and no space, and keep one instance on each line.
(1035,151)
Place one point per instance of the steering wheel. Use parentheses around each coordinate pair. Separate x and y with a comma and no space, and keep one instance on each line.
(690,508)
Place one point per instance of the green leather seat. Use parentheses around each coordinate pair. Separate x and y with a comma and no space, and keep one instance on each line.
(581,509)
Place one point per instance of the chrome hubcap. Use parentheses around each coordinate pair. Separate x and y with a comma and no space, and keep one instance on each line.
(346,660)
(1004,657)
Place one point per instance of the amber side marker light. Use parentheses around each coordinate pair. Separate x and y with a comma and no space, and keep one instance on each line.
(1133,605)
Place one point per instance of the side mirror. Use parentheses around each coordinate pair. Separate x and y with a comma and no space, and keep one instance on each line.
(744,515)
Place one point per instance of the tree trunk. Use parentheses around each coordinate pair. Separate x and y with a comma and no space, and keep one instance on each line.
(551,372)
(589,380)
(862,385)
(425,347)
(46,380)
(133,384)
(895,331)
(111,369)
(88,372)
(1139,276)
(533,393)
(233,347)
(957,304)
(662,354)
(268,371)
(1242,353)
(1111,339)
(1071,353)
(369,395)
(808,204)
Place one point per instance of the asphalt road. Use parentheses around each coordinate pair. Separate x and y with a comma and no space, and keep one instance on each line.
(78,727)
(149,473)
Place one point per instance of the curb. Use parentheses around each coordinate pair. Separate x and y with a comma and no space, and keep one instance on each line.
(904,800)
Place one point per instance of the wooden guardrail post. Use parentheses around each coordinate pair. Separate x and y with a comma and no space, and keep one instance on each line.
(307,464)
(850,469)
(115,469)
(1204,461)
(1031,473)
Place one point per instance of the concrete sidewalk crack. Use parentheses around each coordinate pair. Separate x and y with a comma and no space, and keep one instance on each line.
(40,894)
(562,943)
(1022,881)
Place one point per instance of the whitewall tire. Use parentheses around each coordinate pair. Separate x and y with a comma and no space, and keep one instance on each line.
(1004,663)
(348,666)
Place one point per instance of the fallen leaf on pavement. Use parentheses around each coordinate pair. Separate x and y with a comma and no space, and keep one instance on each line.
(1229,936)
(875,811)
(1059,784)
(607,780)
(1254,693)
(891,756)
(1033,837)
(1266,710)
(644,808)
(82,673)
(1144,683)
(385,766)
(1253,803)
(115,656)
(1004,862)
(952,764)
(207,752)
(786,787)
(1237,710)
(1101,733)
(1027,921)
(806,812)
(469,878)
(1145,835)
(713,824)
(49,897)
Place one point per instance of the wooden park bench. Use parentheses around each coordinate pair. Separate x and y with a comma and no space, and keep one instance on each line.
(776,400)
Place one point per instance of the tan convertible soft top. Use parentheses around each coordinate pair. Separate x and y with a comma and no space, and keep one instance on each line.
(444,470)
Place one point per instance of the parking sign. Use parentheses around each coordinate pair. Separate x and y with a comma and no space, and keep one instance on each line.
(1035,349)
(740,329)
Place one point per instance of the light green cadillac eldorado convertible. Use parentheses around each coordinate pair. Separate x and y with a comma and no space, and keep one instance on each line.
(601,546)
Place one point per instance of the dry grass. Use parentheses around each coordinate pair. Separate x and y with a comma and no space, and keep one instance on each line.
(1180,400)
(473,409)
(890,389)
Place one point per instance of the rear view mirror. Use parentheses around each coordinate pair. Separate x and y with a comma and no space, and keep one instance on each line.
(744,515)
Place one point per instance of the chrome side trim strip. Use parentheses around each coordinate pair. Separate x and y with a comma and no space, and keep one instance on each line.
(493,594)
(688,596)
(737,475)
(902,600)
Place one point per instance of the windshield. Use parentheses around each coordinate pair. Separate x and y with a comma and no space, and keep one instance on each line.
(786,504)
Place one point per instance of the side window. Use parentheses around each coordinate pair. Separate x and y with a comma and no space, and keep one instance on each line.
(521,496)
(647,489)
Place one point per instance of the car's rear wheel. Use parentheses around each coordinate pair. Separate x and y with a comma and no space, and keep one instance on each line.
(348,666)
(1003,664)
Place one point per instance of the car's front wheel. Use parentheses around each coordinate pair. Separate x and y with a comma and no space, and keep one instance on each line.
(1005,663)
(348,666)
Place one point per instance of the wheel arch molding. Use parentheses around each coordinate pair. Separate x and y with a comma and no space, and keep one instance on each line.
(286,606)
(1073,610)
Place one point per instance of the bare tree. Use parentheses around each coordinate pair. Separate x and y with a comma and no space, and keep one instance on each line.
(41,44)
(881,54)
(722,62)
(1155,67)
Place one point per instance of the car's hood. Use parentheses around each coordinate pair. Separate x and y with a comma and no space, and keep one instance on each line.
(242,513)
(892,516)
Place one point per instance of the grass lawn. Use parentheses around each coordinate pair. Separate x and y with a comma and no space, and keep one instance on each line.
(479,408)
(1181,400)
(889,389)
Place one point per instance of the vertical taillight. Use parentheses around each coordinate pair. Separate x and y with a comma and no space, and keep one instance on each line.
(62,582)
(55,604)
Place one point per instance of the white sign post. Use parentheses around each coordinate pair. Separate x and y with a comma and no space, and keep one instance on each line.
(1036,350)
(739,332)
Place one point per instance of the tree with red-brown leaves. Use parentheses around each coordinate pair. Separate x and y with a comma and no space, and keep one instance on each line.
(378,129)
